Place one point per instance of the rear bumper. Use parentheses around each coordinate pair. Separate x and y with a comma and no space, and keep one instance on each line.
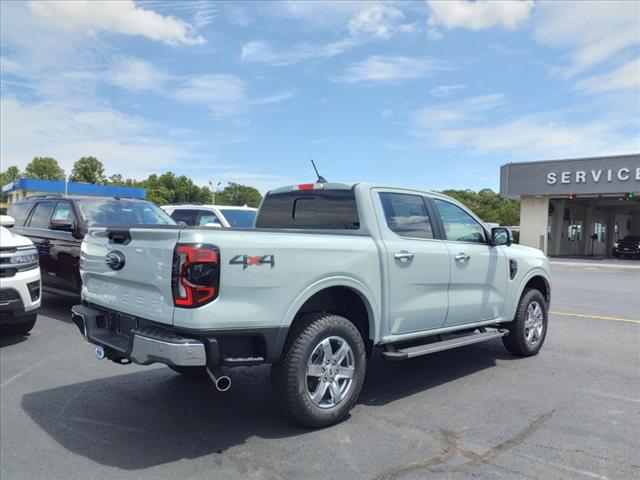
(144,342)
(143,346)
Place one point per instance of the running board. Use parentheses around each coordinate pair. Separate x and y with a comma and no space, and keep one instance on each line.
(402,354)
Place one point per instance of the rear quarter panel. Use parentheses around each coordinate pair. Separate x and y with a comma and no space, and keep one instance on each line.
(261,295)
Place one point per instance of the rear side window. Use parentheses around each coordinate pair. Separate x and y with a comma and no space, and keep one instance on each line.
(207,216)
(63,212)
(41,215)
(310,209)
(19,212)
(406,215)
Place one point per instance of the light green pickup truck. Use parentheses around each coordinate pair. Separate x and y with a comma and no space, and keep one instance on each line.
(330,273)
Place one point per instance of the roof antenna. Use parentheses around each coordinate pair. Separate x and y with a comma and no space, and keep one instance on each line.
(320,179)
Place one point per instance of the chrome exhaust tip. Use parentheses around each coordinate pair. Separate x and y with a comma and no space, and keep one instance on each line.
(222,382)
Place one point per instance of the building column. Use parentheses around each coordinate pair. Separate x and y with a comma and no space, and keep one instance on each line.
(557,227)
(611,222)
(588,231)
(534,219)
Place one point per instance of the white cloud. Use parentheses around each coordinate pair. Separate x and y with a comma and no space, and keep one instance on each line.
(378,20)
(122,142)
(391,69)
(478,15)
(464,125)
(358,22)
(593,31)
(457,112)
(224,95)
(262,52)
(122,17)
(135,74)
(446,90)
(626,77)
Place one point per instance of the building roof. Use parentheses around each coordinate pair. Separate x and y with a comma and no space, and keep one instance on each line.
(73,188)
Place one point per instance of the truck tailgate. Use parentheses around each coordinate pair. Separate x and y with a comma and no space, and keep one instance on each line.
(141,286)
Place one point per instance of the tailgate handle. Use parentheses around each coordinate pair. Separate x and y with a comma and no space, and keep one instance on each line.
(119,236)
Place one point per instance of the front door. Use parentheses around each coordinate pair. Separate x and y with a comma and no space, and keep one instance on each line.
(417,263)
(478,270)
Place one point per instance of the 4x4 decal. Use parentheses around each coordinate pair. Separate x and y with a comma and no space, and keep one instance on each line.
(248,260)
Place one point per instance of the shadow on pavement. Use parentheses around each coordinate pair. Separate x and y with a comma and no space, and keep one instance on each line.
(58,306)
(142,419)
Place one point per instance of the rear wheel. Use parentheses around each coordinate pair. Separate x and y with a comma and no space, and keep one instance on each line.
(21,328)
(319,377)
(529,327)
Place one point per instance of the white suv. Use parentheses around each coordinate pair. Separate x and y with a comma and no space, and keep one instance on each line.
(20,288)
(212,215)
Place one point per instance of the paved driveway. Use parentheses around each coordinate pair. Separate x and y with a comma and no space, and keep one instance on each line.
(477,412)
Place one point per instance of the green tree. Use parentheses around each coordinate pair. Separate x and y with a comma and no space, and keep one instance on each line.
(169,188)
(488,205)
(115,179)
(89,170)
(236,194)
(44,168)
(9,175)
(6,177)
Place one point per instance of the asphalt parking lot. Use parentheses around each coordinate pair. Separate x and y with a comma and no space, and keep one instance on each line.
(477,412)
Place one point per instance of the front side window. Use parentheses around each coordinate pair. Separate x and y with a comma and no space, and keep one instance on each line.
(19,212)
(406,215)
(458,224)
(41,215)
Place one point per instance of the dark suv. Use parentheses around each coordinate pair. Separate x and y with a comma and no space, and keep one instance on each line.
(57,225)
(629,246)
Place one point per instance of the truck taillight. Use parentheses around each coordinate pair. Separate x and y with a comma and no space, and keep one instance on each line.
(195,278)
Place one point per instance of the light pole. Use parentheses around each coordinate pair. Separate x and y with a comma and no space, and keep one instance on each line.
(214,191)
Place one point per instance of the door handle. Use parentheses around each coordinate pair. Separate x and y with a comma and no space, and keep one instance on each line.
(462,257)
(403,256)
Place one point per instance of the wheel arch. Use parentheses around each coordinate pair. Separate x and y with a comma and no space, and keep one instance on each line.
(345,296)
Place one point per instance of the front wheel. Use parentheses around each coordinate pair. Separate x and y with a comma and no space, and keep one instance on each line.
(528,330)
(319,377)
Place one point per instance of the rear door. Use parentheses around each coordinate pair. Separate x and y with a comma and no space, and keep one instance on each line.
(129,270)
(478,270)
(37,226)
(417,262)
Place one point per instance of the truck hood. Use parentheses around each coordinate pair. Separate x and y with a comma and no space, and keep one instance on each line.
(8,239)
(524,251)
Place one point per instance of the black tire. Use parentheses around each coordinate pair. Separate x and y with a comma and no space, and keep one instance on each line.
(289,378)
(516,342)
(21,328)
(194,372)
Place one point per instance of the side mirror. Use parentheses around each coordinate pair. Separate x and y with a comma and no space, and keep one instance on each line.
(181,223)
(7,221)
(63,225)
(501,236)
(216,225)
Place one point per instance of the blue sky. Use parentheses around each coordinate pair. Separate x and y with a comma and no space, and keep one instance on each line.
(426,94)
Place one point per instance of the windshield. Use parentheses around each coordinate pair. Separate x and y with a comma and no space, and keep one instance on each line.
(631,239)
(239,218)
(122,212)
